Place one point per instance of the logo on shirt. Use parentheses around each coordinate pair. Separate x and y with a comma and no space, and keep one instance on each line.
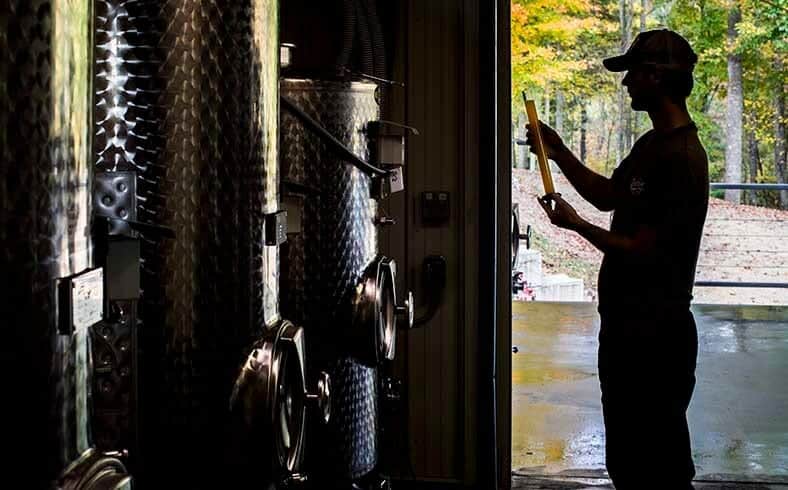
(637,186)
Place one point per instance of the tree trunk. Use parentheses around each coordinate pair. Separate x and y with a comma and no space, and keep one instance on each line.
(643,7)
(514,147)
(628,113)
(733,113)
(522,150)
(780,170)
(583,131)
(559,111)
(754,165)
(546,113)
(624,112)
(607,152)
(641,120)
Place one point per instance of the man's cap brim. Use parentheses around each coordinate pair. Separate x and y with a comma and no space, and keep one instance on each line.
(618,63)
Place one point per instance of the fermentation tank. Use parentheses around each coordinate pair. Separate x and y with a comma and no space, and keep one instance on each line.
(56,291)
(334,281)
(187,105)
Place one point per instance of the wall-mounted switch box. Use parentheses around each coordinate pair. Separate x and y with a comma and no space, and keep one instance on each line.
(435,208)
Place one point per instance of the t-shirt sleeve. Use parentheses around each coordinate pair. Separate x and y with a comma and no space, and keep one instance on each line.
(618,180)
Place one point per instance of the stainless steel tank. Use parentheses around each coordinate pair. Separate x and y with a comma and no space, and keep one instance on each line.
(338,229)
(125,145)
(325,263)
(211,291)
(45,231)
(187,102)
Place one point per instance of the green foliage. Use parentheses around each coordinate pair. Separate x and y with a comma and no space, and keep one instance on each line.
(712,135)
(560,45)
(704,24)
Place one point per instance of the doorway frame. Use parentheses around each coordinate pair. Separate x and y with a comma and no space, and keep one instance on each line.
(495,307)
(504,265)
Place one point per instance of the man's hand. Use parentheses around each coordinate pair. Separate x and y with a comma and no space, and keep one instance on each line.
(553,144)
(561,213)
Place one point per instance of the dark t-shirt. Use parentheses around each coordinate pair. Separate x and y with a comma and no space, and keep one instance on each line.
(663,183)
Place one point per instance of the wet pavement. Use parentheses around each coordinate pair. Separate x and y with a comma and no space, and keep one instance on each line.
(569,483)
(738,416)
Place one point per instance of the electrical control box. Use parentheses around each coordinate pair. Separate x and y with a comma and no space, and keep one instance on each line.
(435,208)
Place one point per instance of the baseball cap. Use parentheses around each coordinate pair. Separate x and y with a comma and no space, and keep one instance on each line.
(660,47)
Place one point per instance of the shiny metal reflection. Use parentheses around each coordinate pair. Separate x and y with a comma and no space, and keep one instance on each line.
(96,471)
(45,220)
(373,333)
(322,396)
(270,393)
(339,240)
(213,289)
(325,265)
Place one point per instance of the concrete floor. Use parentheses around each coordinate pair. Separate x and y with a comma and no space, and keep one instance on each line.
(543,483)
(738,416)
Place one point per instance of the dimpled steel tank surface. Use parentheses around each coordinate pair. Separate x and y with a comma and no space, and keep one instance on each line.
(45,218)
(209,292)
(325,262)
(126,122)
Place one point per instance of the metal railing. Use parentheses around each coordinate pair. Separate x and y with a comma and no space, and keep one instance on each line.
(758,187)
(747,284)
(740,284)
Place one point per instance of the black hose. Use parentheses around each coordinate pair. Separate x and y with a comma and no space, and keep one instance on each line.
(337,145)
(348,35)
(378,42)
(367,57)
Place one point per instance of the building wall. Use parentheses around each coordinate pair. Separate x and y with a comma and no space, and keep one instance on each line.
(436,55)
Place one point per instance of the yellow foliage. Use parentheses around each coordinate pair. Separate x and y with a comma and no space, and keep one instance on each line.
(546,42)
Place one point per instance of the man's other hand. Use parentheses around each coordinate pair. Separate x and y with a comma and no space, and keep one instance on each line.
(560,212)
(553,144)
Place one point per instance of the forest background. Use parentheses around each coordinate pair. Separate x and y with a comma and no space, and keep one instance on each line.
(738,101)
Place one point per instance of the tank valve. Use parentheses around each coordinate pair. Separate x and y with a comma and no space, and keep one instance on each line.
(295,480)
(385,221)
(322,397)
(405,312)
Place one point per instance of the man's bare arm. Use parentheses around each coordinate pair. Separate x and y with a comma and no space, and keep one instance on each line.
(643,243)
(594,188)
(564,215)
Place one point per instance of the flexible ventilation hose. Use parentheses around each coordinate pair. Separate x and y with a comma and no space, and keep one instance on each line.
(367,56)
(378,44)
(348,35)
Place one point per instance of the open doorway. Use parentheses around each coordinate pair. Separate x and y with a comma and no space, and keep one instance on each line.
(738,416)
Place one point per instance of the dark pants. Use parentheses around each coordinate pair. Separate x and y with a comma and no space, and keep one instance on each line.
(647,374)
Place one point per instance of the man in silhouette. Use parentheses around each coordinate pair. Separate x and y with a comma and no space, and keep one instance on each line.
(659,194)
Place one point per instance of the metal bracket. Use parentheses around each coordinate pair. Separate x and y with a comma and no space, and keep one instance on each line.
(276,228)
(115,197)
(384,185)
(123,268)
